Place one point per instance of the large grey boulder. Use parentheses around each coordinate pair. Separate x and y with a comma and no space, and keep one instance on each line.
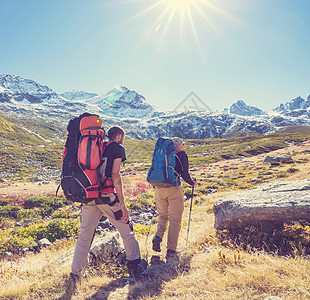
(272,203)
(106,249)
(277,158)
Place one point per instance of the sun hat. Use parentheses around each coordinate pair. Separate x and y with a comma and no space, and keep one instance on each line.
(177,141)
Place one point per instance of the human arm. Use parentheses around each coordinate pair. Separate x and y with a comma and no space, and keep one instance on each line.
(183,160)
(118,185)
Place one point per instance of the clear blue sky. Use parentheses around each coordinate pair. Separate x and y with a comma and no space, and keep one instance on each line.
(254,50)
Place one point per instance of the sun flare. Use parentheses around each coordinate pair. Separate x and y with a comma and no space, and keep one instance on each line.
(179,3)
(188,15)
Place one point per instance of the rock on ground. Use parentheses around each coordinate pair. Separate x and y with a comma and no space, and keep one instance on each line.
(107,248)
(277,158)
(104,249)
(272,203)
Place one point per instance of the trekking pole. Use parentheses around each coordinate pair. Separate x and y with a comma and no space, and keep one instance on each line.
(147,236)
(190,212)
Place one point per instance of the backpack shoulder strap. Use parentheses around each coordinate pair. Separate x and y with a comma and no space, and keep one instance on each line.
(180,159)
(107,144)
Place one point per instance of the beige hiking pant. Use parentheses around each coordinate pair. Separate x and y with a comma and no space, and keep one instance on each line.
(91,214)
(170,206)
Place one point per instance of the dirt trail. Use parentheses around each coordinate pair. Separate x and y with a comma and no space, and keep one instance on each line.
(29,189)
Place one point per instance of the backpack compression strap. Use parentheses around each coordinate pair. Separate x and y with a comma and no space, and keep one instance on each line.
(106,184)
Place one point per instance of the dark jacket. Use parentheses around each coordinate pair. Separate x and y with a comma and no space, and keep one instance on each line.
(181,167)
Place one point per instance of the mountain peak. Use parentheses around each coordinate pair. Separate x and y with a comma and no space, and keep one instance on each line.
(297,103)
(122,102)
(242,109)
(21,89)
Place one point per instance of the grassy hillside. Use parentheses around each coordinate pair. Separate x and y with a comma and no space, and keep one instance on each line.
(294,129)
(207,151)
(12,131)
(28,146)
(214,264)
(24,151)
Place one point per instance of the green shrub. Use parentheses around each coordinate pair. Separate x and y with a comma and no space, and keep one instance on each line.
(146,199)
(133,205)
(61,228)
(65,214)
(141,229)
(9,211)
(54,229)
(142,200)
(187,191)
(287,161)
(143,168)
(35,231)
(21,237)
(265,173)
(282,174)
(292,170)
(231,182)
(302,160)
(9,242)
(46,204)
(28,214)
(202,189)
(4,202)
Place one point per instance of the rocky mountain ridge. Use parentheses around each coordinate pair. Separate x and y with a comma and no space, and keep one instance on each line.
(24,98)
(242,109)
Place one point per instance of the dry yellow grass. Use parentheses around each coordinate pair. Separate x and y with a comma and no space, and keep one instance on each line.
(215,272)
(208,272)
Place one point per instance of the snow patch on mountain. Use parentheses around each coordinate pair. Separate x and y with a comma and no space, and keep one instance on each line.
(121,102)
(297,103)
(242,109)
(78,95)
(25,90)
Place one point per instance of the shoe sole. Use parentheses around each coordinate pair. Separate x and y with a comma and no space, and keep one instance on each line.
(156,249)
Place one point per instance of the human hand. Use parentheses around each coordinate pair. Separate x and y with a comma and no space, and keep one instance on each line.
(125,213)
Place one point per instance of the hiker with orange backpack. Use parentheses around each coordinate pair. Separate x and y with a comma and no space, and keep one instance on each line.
(169,163)
(103,196)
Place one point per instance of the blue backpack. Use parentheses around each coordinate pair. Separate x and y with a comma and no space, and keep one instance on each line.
(162,173)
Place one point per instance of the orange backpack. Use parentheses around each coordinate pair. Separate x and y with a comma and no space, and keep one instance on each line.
(82,159)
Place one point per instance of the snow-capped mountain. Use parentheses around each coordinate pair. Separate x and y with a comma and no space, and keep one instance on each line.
(122,103)
(78,95)
(25,98)
(242,109)
(24,90)
(297,103)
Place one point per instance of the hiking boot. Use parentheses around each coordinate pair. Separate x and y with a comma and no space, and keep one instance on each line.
(155,260)
(71,286)
(172,256)
(156,243)
(136,267)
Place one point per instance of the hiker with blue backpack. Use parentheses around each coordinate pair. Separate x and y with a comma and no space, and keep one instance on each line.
(169,164)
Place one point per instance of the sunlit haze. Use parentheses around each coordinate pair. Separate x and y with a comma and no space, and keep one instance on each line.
(222,50)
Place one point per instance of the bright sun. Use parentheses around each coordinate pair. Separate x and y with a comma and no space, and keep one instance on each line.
(179,3)
(187,13)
